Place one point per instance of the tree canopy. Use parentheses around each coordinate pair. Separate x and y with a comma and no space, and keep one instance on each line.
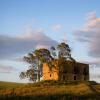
(61,52)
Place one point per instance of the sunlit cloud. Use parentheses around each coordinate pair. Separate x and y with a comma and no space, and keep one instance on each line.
(90,34)
(29,33)
(42,46)
(57,27)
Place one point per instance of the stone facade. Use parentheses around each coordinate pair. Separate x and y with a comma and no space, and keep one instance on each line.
(68,71)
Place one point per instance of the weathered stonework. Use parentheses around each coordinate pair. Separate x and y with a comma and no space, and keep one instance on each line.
(70,71)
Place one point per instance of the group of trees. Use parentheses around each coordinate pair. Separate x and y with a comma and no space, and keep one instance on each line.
(36,59)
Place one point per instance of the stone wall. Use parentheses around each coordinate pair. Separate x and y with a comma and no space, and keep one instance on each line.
(48,74)
(70,71)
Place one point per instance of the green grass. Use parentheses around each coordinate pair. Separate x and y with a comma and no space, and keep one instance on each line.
(51,90)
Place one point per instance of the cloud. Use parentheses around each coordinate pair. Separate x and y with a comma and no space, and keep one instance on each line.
(29,34)
(92,62)
(41,46)
(95,76)
(14,46)
(7,69)
(90,34)
(56,27)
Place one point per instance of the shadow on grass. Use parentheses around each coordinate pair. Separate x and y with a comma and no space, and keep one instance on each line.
(52,97)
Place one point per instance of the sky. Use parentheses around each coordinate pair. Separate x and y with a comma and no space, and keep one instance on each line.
(26,25)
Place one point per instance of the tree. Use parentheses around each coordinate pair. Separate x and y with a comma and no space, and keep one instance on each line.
(54,57)
(64,51)
(42,56)
(30,59)
(36,60)
(53,52)
(29,74)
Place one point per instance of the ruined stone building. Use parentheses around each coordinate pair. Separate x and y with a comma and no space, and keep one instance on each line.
(69,70)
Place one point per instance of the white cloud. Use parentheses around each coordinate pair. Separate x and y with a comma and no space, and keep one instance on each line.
(90,33)
(57,27)
(12,46)
(6,69)
(29,34)
(41,46)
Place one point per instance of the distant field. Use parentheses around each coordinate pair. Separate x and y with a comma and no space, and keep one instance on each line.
(51,90)
(9,85)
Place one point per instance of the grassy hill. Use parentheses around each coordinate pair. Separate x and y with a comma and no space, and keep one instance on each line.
(9,85)
(51,90)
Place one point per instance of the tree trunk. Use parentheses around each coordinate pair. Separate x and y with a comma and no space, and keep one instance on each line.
(38,75)
(38,72)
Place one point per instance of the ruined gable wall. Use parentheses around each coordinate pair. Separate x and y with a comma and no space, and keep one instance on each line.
(67,72)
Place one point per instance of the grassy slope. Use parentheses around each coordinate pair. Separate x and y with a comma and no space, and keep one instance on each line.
(9,85)
(52,89)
